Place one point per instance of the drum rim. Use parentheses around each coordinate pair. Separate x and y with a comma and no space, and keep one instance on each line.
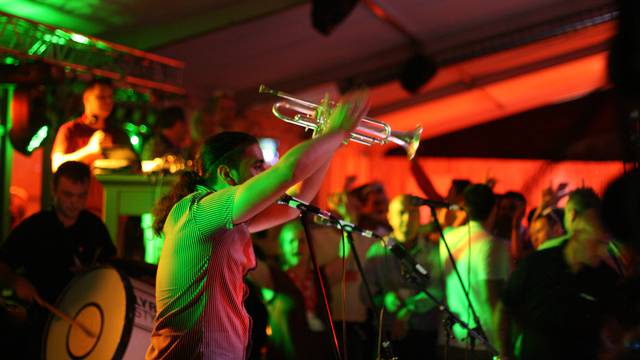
(99,334)
(130,311)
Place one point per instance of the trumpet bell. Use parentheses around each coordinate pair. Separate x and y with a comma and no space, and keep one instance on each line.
(409,140)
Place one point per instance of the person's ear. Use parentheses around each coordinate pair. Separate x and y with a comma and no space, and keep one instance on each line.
(224,172)
(572,215)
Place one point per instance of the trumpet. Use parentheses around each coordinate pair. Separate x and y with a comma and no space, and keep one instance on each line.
(369,131)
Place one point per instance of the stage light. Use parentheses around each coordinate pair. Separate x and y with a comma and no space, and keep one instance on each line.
(416,72)
(327,14)
(11,61)
(29,125)
(135,140)
(269,149)
(80,39)
(38,138)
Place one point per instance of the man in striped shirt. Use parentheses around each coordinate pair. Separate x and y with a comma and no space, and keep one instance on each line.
(207,219)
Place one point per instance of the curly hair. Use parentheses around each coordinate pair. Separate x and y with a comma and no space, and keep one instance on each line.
(225,148)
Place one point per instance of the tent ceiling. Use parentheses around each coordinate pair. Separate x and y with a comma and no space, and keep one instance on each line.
(236,45)
(583,129)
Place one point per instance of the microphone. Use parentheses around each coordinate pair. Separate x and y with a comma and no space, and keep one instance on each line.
(92,120)
(418,201)
(401,253)
(347,226)
(306,207)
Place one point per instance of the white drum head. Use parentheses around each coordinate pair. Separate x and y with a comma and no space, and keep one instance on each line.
(98,300)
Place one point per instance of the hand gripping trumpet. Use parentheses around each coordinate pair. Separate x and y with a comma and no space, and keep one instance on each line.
(313,116)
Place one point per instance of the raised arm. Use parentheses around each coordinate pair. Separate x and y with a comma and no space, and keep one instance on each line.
(424,182)
(306,161)
(278,214)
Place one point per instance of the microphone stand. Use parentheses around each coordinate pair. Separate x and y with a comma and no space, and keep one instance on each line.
(347,230)
(477,332)
(305,215)
(421,280)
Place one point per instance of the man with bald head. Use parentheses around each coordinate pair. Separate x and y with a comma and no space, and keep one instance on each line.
(411,320)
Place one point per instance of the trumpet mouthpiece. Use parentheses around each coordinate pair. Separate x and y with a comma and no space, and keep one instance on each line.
(264,89)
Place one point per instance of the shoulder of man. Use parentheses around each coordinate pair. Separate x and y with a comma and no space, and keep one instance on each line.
(88,218)
(72,124)
(376,250)
(37,220)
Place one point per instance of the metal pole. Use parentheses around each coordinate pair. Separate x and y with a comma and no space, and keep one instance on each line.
(6,157)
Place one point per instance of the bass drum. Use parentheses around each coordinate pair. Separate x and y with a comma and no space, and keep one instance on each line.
(118,309)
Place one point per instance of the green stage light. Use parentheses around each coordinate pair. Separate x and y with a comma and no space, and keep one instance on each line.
(38,138)
(29,123)
(80,39)
(135,140)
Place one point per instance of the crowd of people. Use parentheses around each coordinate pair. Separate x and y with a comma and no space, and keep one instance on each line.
(559,282)
(555,284)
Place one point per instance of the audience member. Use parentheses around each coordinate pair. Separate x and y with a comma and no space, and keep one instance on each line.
(373,205)
(559,296)
(360,206)
(410,319)
(620,214)
(296,313)
(171,138)
(483,264)
(548,225)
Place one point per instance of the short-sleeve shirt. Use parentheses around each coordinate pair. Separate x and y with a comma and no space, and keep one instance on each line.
(74,135)
(199,285)
(48,254)
(479,257)
(560,313)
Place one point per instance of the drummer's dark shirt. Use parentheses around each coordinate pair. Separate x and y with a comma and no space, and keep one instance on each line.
(560,312)
(45,252)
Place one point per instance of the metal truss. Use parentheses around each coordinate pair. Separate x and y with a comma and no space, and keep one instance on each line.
(24,38)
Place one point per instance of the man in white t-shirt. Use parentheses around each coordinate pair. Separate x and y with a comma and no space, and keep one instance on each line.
(483,264)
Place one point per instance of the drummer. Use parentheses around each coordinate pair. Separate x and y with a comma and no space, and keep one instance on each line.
(43,252)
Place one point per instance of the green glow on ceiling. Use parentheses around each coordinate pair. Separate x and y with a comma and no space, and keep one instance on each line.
(40,12)
(38,138)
